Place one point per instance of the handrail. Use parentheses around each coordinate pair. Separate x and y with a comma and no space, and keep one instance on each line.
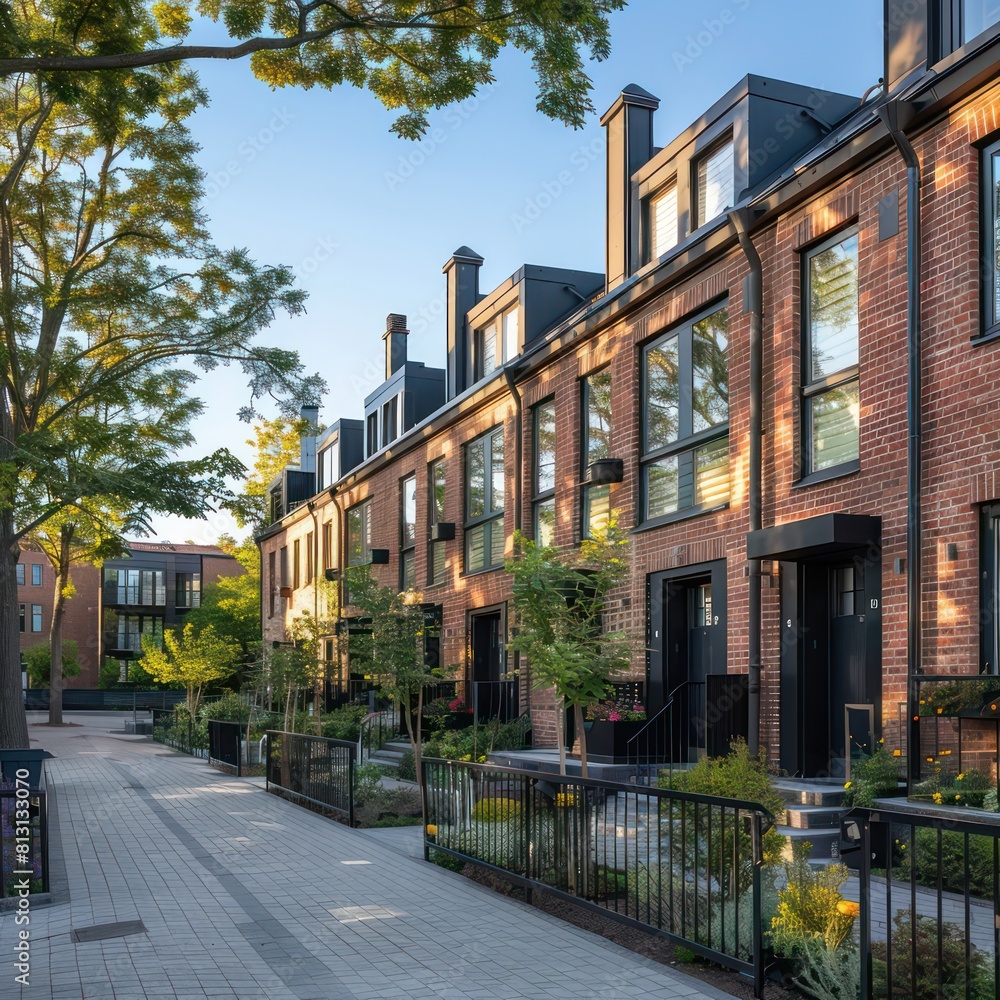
(668,706)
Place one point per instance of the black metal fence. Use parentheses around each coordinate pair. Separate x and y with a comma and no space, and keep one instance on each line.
(86,699)
(24,837)
(929,893)
(180,732)
(312,769)
(225,744)
(688,866)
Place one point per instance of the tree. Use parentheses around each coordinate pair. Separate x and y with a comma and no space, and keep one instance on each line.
(39,659)
(108,279)
(559,600)
(411,54)
(193,660)
(395,645)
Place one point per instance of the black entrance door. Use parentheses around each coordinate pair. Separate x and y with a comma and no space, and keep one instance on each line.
(847,657)
(491,694)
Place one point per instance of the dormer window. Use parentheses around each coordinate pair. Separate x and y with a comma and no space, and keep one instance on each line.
(715,181)
(661,222)
(497,343)
(977,16)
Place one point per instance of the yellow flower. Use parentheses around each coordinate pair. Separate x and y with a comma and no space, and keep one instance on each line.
(432,830)
(940,710)
(960,777)
(847,784)
(849,908)
(897,753)
(938,798)
(957,797)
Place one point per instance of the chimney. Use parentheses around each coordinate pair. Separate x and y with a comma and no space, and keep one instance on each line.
(463,293)
(307,440)
(395,343)
(628,127)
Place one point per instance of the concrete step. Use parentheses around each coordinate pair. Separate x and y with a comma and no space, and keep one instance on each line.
(825,843)
(810,793)
(814,817)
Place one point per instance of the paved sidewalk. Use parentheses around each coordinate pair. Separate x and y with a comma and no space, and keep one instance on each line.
(241,894)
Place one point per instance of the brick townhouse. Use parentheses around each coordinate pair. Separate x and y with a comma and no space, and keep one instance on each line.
(784,383)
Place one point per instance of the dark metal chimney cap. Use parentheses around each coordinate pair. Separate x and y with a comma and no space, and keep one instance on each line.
(463,255)
(632,94)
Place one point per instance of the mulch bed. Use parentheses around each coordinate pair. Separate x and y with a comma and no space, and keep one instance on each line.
(648,944)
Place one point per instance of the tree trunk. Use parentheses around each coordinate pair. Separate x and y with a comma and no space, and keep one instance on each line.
(578,716)
(13,721)
(55,631)
(561,733)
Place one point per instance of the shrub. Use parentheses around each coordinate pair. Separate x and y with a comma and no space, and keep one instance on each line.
(871,779)
(406,769)
(951,968)
(496,810)
(367,782)
(952,858)
(476,742)
(828,973)
(389,807)
(344,723)
(448,861)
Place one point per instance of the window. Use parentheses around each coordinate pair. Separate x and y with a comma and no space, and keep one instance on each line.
(484,502)
(596,409)
(328,545)
(716,181)
(437,564)
(830,406)
(36,574)
(326,466)
(685,451)
(308,580)
(283,555)
(497,343)
(408,534)
(989,614)
(131,629)
(36,618)
(272,585)
(372,434)
(543,482)
(390,421)
(138,586)
(977,16)
(188,589)
(359,534)
(991,238)
(21,609)
(20,575)
(661,221)
(296,565)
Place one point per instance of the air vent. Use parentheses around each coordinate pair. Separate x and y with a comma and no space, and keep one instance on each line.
(443,531)
(605,470)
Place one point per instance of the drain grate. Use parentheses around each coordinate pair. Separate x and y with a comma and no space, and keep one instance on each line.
(99,932)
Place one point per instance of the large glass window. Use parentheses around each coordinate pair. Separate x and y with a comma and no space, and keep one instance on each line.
(830,379)
(437,563)
(36,618)
(131,629)
(716,182)
(359,534)
(661,221)
(188,590)
(327,465)
(296,565)
(138,586)
(484,502)
(543,483)
(596,408)
(991,238)
(685,460)
(497,343)
(977,16)
(408,534)
(36,574)
(20,574)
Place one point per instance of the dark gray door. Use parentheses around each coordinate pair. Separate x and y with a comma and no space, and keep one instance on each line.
(847,657)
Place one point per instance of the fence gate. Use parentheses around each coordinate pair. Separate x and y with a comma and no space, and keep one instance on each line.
(224,743)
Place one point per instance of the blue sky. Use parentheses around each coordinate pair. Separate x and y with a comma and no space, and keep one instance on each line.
(315,180)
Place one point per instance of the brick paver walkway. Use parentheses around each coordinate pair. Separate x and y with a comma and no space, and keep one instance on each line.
(244,895)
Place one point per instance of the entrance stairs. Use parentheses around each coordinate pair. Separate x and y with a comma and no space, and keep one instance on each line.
(391,753)
(813,811)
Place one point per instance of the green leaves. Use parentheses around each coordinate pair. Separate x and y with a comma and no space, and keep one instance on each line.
(412,55)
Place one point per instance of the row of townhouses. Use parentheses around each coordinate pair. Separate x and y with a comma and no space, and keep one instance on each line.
(785,383)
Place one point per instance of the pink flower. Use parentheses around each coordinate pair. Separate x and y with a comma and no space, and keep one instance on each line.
(614,716)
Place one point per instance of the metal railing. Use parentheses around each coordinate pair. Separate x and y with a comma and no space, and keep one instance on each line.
(378,729)
(312,769)
(664,739)
(686,865)
(85,699)
(225,744)
(24,837)
(495,700)
(929,891)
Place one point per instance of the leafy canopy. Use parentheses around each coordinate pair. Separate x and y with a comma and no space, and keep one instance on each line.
(412,55)
(39,659)
(192,659)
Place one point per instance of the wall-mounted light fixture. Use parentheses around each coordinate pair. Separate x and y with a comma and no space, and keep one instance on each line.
(899,566)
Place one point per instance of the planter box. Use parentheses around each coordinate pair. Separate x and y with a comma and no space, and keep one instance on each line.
(607,742)
(11,761)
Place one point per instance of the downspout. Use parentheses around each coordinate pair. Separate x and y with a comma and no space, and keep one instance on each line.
(754,304)
(508,374)
(896,115)
(311,505)
(339,553)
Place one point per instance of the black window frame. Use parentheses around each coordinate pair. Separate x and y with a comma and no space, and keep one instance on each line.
(36,574)
(727,138)
(989,213)
(20,574)
(435,515)
(491,515)
(949,29)
(688,441)
(37,614)
(363,508)
(989,592)
(23,614)
(587,490)
(542,498)
(812,388)
(407,541)
(272,587)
